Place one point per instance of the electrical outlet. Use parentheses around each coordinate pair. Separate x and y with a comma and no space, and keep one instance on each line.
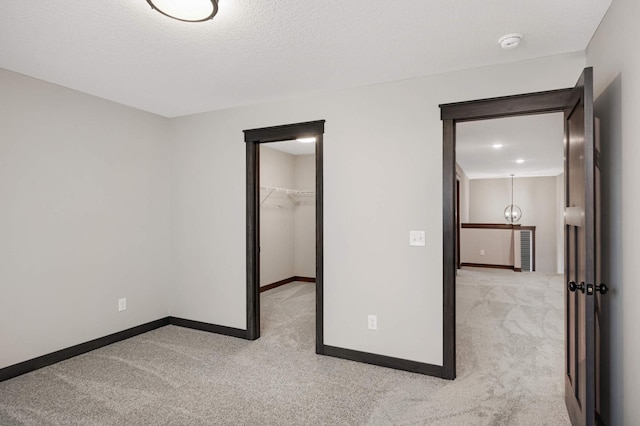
(373,322)
(416,238)
(481,252)
(122,304)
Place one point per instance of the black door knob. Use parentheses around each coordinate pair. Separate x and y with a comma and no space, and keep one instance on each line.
(573,286)
(602,288)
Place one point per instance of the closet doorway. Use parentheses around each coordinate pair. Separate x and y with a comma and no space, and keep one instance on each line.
(280,197)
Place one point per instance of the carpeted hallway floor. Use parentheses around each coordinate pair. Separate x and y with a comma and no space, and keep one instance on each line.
(510,351)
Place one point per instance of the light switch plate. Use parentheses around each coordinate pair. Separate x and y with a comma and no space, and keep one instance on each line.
(416,238)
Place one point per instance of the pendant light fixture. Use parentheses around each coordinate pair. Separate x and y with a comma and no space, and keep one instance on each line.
(186,10)
(512,213)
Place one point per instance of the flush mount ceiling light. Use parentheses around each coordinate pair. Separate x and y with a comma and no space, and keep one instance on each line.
(497,146)
(306,140)
(186,10)
(520,161)
(510,41)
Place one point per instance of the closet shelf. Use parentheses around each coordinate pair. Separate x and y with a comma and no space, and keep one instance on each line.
(288,191)
(295,195)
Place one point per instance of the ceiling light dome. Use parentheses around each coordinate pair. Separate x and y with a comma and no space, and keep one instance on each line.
(186,10)
(309,139)
(510,41)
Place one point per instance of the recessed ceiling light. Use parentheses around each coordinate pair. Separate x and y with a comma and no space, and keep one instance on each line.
(510,41)
(497,145)
(186,10)
(519,161)
(306,140)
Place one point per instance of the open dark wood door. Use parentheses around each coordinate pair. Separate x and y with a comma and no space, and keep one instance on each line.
(581,249)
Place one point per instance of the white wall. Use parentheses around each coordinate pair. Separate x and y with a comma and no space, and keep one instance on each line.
(382,178)
(84,219)
(305,217)
(613,52)
(277,226)
(536,197)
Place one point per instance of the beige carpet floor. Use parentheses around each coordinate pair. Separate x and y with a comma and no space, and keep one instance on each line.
(510,353)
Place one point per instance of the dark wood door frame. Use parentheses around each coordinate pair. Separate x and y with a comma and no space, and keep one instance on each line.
(451,114)
(458,266)
(253,138)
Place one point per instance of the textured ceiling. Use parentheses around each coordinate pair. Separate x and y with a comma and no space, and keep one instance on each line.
(261,51)
(537,139)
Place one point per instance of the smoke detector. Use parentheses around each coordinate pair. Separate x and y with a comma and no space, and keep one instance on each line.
(510,41)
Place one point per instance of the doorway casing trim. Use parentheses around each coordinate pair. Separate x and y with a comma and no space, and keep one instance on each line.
(450,114)
(253,138)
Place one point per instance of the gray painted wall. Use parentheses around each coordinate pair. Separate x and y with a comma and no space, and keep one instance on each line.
(537,198)
(613,54)
(84,217)
(382,178)
(277,227)
(464,194)
(560,202)
(287,230)
(488,246)
(152,217)
(305,217)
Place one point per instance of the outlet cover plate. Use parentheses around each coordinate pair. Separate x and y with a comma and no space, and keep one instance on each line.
(416,238)
(122,304)
(372,322)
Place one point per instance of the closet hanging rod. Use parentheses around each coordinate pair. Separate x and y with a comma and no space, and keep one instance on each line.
(288,191)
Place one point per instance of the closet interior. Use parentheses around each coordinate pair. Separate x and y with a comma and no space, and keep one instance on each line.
(287,213)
